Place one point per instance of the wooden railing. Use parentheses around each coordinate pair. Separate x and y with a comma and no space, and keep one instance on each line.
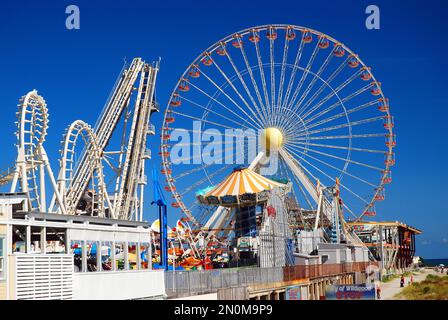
(322,270)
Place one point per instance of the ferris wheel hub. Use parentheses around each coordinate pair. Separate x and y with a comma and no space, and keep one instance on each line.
(272,138)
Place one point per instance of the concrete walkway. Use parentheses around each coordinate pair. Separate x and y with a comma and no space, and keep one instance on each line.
(391,288)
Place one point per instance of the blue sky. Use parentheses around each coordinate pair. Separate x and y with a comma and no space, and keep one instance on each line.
(75,70)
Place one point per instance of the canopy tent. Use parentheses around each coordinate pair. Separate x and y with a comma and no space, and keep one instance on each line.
(204,191)
(242,187)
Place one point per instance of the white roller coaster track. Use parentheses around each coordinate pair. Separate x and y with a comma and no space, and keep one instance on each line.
(131,169)
(77,129)
(32,160)
(79,180)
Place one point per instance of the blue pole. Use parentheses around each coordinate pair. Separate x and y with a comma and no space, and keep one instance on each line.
(161,203)
(163,236)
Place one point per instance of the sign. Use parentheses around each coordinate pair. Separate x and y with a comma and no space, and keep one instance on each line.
(271,211)
(244,242)
(350,292)
(293,293)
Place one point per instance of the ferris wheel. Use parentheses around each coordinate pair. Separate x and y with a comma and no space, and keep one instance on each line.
(307,93)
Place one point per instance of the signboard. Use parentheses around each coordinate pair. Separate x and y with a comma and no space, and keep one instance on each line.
(293,293)
(350,292)
(244,242)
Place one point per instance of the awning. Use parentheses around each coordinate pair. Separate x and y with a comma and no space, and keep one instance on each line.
(243,181)
(243,187)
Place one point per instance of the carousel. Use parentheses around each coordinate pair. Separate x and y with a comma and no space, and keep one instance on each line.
(243,198)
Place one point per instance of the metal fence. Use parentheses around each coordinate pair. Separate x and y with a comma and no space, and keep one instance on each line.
(205,281)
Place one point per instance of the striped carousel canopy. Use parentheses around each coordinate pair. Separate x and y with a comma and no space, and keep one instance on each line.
(242,181)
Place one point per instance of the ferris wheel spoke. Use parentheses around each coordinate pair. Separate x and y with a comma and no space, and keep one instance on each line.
(337,147)
(315,78)
(333,106)
(201,120)
(339,115)
(187,173)
(295,109)
(255,114)
(293,72)
(343,171)
(353,136)
(230,98)
(246,133)
(207,178)
(331,94)
(211,111)
(282,73)
(290,127)
(271,54)
(345,125)
(263,81)
(246,88)
(199,156)
(300,148)
(194,205)
(254,83)
(304,76)
(221,104)
(339,103)
(334,180)
(186,144)
(325,85)
(350,210)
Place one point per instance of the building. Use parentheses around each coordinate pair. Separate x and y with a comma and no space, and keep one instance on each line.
(391,243)
(55,256)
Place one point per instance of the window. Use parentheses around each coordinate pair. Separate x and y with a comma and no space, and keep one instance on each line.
(106,256)
(119,256)
(76,250)
(55,240)
(36,242)
(132,256)
(2,258)
(92,256)
(18,239)
(144,255)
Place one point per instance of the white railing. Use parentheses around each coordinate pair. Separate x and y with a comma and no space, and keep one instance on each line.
(43,276)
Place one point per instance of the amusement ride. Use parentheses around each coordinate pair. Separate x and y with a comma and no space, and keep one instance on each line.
(313,102)
(102,167)
(313,105)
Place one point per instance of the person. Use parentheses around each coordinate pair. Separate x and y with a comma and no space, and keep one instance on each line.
(402,281)
(378,292)
(411,281)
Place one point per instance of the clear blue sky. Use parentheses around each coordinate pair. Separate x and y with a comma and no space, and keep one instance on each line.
(75,70)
